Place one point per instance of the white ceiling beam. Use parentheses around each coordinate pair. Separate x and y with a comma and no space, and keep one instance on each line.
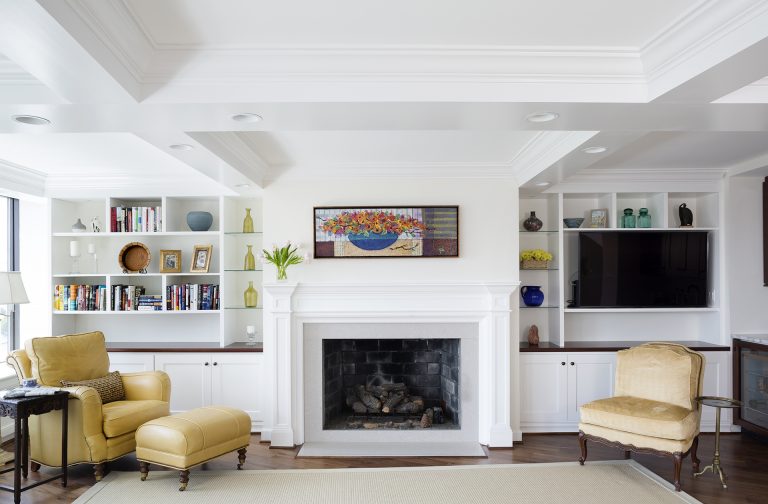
(544,150)
(35,40)
(231,148)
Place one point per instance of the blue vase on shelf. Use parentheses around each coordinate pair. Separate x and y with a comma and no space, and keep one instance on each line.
(532,295)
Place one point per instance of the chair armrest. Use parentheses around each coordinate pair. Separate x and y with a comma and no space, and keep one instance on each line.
(147,385)
(89,401)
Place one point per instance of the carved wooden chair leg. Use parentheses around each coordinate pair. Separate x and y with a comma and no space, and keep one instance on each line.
(98,471)
(678,465)
(144,468)
(241,457)
(183,480)
(583,445)
(34,466)
(694,459)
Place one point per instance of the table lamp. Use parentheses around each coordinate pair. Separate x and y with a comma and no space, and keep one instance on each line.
(11,292)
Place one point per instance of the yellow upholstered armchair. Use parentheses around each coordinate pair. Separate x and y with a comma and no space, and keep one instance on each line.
(654,408)
(97,432)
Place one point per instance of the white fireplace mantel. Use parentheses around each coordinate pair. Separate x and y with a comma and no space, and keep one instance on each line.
(288,306)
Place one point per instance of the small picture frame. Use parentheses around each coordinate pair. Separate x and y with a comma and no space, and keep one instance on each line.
(170,261)
(201,259)
(598,218)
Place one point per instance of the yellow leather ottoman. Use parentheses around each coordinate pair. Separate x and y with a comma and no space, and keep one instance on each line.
(188,439)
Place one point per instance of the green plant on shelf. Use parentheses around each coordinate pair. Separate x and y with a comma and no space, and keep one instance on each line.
(535,255)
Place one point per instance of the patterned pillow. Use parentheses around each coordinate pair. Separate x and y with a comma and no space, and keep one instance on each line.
(109,387)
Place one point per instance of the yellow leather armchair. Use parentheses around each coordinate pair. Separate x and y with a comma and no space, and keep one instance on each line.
(97,433)
(654,408)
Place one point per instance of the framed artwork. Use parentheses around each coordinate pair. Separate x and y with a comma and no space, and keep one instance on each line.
(598,218)
(170,261)
(369,232)
(201,258)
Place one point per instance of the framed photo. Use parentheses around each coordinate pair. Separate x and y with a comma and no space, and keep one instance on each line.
(370,232)
(201,259)
(598,218)
(170,261)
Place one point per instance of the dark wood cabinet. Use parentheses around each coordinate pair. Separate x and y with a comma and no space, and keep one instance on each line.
(750,385)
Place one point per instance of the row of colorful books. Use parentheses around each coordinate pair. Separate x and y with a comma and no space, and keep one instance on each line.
(136,219)
(192,297)
(74,297)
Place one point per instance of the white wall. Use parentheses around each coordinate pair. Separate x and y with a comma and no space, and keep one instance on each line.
(34,265)
(744,243)
(487,228)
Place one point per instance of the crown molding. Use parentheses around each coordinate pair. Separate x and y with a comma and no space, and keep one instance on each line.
(544,150)
(231,148)
(85,183)
(705,35)
(21,179)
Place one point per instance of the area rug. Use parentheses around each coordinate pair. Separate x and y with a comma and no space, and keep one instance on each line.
(621,482)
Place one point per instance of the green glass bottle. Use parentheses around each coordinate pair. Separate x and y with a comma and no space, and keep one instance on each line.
(628,220)
(250,259)
(250,296)
(248,222)
(643,219)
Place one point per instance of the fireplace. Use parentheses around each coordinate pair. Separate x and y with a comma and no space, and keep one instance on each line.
(299,320)
(391,383)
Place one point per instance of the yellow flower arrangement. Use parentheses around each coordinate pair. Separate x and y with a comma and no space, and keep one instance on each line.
(535,255)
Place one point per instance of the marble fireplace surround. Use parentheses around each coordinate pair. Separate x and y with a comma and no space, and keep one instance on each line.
(289,306)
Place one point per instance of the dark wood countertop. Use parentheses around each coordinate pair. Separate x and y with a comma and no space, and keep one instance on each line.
(613,346)
(181,347)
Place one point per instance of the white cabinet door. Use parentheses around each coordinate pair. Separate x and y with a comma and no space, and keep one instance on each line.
(237,381)
(590,377)
(717,382)
(544,390)
(190,375)
(131,362)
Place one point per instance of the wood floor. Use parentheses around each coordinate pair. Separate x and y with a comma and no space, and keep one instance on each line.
(743,457)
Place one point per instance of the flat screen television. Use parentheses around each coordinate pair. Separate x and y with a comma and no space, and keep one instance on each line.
(642,269)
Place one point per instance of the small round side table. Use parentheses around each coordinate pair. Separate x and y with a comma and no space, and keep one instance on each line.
(718,403)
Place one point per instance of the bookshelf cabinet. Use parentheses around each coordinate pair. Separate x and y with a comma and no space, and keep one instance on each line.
(98,265)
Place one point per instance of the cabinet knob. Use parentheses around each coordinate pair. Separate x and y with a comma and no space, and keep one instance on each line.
(571,363)
(215,363)
(562,363)
(206,363)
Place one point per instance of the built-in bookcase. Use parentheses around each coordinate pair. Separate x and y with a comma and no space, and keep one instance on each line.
(223,326)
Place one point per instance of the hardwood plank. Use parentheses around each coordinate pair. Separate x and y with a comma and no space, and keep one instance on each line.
(742,456)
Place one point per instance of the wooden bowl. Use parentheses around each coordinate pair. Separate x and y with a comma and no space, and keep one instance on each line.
(134,257)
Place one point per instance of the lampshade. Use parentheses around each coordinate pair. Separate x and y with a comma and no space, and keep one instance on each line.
(12,288)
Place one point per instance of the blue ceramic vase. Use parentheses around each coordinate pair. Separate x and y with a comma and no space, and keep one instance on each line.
(532,295)
(199,221)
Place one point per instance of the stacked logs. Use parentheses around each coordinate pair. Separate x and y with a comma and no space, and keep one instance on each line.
(390,398)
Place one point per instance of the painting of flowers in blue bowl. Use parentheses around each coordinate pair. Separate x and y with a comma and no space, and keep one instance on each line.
(423,231)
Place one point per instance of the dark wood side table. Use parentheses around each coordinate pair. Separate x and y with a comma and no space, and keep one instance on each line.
(20,409)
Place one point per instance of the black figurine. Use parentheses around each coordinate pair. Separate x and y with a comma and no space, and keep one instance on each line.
(686,216)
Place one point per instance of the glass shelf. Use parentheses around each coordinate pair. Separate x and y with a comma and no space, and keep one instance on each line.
(538,269)
(538,307)
(541,231)
(243,308)
(244,270)
(236,233)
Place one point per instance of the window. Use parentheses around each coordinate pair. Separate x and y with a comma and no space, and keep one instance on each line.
(8,262)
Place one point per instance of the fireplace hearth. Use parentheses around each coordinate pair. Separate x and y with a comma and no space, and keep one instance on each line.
(397,384)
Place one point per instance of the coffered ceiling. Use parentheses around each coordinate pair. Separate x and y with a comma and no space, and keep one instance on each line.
(672,89)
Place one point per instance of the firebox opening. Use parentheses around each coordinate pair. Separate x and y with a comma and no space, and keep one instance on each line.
(391,383)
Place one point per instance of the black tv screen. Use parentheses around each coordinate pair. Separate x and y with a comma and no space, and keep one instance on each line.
(642,269)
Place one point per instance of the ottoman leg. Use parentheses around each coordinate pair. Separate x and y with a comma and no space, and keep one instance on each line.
(144,468)
(98,471)
(241,458)
(183,480)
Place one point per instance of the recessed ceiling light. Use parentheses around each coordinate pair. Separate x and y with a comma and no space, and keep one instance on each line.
(541,117)
(30,119)
(247,117)
(594,150)
(243,186)
(181,147)
(542,184)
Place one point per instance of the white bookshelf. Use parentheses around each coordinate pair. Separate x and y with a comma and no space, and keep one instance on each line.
(223,326)
(559,324)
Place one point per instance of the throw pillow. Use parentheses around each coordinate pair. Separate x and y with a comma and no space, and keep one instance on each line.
(109,387)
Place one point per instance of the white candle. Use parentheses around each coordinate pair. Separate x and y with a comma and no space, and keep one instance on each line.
(91,248)
(74,248)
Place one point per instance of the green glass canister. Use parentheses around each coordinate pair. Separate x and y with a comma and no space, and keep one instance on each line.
(628,220)
(250,260)
(250,296)
(248,222)
(643,219)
